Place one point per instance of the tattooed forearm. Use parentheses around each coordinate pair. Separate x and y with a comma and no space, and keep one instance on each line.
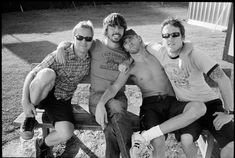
(217,73)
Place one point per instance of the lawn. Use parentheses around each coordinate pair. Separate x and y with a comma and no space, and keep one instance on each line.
(27,37)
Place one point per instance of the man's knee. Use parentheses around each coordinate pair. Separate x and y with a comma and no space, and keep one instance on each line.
(158,142)
(228,151)
(109,131)
(187,140)
(65,131)
(195,109)
(45,77)
(115,107)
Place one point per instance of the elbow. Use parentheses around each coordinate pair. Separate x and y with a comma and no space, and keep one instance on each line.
(225,80)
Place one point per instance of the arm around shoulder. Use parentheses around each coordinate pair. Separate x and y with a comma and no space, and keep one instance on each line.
(61,51)
(64,45)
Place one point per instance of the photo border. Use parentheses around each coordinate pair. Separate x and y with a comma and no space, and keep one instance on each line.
(226,55)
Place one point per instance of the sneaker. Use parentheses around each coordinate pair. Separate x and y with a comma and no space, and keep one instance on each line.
(140,148)
(42,153)
(27,128)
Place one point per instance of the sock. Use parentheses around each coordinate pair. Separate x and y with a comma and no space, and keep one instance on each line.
(152,133)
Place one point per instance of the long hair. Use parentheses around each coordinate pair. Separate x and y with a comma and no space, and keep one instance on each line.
(114,19)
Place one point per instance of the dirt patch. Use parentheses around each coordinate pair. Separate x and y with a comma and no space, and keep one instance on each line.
(84,144)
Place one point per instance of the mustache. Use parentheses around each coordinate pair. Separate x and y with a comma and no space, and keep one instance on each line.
(116,34)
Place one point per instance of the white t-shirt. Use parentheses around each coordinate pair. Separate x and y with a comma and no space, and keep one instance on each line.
(187,86)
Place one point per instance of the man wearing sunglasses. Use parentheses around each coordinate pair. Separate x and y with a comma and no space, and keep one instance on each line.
(189,85)
(106,55)
(50,86)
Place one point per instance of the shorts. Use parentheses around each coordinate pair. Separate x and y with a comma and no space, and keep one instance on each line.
(156,110)
(57,110)
(226,134)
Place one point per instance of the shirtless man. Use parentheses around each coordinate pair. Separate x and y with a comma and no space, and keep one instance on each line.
(159,103)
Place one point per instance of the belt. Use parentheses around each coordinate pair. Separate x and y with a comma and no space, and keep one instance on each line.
(160,97)
(154,98)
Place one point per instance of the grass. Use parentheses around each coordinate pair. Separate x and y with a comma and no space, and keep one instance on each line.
(27,37)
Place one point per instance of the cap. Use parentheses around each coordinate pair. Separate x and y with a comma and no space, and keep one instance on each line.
(129,33)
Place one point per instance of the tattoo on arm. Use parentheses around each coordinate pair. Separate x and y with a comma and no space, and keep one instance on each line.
(217,73)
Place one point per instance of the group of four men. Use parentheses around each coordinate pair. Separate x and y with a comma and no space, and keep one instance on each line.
(176,97)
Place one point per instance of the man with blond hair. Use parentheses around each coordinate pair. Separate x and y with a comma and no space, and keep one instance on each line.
(50,86)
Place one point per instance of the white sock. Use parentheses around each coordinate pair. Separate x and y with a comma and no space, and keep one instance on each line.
(152,133)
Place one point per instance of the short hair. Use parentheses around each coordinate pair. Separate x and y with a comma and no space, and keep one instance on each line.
(114,19)
(174,22)
(84,24)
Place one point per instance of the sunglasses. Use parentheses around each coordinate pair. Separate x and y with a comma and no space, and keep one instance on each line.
(173,35)
(80,38)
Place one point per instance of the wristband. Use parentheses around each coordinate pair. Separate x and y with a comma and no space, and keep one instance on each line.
(152,133)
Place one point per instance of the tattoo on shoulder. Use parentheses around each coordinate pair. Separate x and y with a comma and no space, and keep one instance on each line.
(217,73)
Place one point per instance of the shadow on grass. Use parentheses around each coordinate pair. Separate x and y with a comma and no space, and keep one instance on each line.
(31,52)
(57,20)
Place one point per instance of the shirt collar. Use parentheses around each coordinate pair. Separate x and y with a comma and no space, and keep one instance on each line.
(71,53)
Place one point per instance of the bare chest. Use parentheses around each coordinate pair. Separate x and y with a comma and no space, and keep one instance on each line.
(147,71)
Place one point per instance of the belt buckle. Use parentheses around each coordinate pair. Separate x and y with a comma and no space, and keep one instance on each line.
(159,98)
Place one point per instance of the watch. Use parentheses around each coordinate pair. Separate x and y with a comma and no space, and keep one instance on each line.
(229,112)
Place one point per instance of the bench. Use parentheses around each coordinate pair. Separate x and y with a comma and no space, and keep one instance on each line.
(85,121)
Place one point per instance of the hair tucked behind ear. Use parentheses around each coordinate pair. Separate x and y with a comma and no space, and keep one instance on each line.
(114,19)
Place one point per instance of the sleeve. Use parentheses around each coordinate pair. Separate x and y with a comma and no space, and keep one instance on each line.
(46,62)
(64,45)
(203,62)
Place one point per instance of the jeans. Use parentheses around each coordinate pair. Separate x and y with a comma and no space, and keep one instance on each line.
(118,130)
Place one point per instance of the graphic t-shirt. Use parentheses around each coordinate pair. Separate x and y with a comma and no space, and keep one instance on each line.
(104,65)
(188,86)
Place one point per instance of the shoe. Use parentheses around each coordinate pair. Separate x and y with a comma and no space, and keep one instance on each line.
(42,153)
(140,148)
(27,128)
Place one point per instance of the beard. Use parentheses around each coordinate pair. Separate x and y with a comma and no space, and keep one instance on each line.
(114,39)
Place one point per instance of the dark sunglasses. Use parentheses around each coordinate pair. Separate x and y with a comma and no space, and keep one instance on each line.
(173,35)
(80,38)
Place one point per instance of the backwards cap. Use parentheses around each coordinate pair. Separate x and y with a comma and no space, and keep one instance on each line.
(115,19)
(129,33)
